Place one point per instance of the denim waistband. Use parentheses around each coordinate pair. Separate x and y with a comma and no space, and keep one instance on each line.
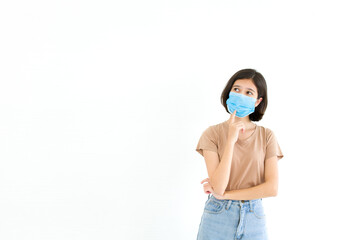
(236,202)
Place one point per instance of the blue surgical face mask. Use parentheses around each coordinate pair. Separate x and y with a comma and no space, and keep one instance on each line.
(243,104)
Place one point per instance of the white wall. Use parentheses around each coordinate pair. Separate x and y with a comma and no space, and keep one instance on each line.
(102,104)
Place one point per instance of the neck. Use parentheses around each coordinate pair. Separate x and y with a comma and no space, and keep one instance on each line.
(246,120)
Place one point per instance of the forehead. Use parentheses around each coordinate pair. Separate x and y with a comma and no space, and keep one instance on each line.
(246,83)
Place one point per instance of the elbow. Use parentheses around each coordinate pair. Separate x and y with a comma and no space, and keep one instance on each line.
(273,190)
(219,191)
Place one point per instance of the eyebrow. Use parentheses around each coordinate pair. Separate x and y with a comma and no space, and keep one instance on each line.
(246,88)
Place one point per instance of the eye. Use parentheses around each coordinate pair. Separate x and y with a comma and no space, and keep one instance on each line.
(235,88)
(250,92)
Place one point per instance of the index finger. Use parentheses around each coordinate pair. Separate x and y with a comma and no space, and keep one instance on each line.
(233,115)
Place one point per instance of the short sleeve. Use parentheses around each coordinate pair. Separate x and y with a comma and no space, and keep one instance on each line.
(207,141)
(272,146)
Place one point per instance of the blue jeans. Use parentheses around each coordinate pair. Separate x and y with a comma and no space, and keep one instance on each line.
(225,219)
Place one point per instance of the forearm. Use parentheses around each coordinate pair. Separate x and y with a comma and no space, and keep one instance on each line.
(262,190)
(220,178)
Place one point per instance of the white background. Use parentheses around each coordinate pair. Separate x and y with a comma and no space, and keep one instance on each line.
(102,104)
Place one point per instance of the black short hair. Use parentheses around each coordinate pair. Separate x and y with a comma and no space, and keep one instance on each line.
(260,83)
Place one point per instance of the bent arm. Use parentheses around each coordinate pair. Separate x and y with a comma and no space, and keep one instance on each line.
(219,179)
(267,189)
(262,190)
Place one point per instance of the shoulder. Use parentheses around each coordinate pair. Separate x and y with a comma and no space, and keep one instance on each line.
(220,128)
(215,129)
(265,132)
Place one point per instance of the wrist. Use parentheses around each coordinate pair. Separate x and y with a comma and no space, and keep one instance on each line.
(230,142)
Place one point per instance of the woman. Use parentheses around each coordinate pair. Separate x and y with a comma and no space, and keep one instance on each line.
(241,160)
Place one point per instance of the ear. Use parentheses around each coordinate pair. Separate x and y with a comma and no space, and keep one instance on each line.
(258,102)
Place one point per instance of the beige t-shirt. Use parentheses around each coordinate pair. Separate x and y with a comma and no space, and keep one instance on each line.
(247,166)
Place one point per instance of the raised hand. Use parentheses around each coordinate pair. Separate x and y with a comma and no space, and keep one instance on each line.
(234,128)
